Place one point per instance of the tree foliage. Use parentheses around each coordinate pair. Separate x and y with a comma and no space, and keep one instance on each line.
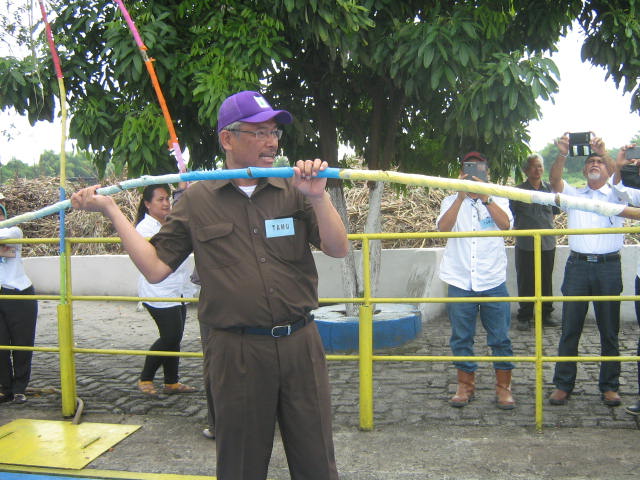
(408,84)
(78,165)
(612,29)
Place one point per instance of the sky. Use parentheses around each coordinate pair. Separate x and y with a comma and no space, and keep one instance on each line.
(585,102)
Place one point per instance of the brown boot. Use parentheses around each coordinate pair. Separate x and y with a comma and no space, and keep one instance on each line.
(465,391)
(504,399)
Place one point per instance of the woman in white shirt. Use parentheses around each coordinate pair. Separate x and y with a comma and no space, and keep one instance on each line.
(170,317)
(17,318)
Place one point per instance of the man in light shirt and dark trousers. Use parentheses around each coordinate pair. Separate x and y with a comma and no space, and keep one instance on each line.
(593,269)
(476,267)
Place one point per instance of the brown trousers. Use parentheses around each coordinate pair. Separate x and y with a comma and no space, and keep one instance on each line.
(256,380)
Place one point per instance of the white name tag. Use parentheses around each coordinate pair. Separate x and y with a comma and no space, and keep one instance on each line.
(280,227)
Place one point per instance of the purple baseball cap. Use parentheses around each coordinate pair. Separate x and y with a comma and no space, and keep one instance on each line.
(250,107)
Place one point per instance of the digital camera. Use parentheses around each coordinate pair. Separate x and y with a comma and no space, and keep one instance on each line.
(579,144)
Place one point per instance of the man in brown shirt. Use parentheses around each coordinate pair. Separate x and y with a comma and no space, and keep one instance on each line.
(250,239)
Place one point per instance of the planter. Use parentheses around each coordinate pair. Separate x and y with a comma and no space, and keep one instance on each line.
(393,325)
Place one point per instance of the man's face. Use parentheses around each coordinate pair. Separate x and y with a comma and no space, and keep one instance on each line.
(244,149)
(595,169)
(535,170)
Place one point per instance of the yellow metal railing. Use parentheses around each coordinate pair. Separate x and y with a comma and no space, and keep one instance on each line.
(365,356)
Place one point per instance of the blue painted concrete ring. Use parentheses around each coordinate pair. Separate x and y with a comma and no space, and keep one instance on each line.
(393,325)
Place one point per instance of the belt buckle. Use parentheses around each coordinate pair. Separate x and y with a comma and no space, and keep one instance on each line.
(591,258)
(275,331)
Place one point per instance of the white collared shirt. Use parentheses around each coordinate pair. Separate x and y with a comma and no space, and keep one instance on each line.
(630,196)
(175,285)
(474,263)
(12,273)
(598,243)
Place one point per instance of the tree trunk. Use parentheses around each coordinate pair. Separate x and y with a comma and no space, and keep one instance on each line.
(329,151)
(373,225)
(349,268)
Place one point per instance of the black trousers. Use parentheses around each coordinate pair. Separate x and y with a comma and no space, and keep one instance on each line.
(205,331)
(525,277)
(582,278)
(637,305)
(170,323)
(17,327)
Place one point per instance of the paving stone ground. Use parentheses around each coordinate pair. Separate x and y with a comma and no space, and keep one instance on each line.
(416,434)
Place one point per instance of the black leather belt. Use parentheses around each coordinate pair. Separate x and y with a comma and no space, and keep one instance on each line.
(596,257)
(276,331)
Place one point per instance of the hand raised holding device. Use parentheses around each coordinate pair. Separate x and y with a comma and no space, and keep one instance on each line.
(475,169)
(580,144)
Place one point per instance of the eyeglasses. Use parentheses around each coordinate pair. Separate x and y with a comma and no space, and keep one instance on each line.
(261,135)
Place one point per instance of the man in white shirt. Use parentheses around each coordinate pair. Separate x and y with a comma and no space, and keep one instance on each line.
(630,177)
(593,268)
(477,267)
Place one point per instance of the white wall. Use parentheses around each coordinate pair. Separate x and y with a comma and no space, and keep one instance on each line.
(404,273)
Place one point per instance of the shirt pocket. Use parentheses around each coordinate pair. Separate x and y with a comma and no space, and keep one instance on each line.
(219,248)
(290,248)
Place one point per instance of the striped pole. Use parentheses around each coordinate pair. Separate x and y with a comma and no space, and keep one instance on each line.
(526,196)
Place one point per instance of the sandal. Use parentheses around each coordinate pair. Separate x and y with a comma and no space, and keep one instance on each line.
(146,387)
(170,388)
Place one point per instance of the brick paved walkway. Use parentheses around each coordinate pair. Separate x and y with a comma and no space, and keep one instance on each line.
(416,435)
(409,393)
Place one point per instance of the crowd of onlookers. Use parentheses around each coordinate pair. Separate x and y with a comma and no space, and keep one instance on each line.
(475,267)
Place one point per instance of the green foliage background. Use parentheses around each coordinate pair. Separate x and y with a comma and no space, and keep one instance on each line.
(408,84)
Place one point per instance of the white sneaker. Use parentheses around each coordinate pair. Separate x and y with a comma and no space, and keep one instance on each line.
(209,433)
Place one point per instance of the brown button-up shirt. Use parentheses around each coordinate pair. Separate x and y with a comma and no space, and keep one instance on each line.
(248,278)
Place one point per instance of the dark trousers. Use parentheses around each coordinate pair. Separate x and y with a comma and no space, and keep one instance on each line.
(17,327)
(170,322)
(525,277)
(637,305)
(587,278)
(205,331)
(257,380)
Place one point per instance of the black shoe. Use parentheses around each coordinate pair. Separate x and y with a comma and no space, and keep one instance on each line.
(633,409)
(5,397)
(549,322)
(611,398)
(19,398)
(524,324)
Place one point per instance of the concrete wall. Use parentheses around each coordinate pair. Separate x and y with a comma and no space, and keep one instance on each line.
(404,273)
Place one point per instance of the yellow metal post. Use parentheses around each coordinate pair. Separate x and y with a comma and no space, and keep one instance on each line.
(365,345)
(537,268)
(366,367)
(65,336)
(67,364)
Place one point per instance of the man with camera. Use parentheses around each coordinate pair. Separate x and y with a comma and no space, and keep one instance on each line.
(592,269)
(628,162)
(529,216)
(475,267)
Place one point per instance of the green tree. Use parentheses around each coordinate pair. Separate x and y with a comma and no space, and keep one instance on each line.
(14,169)
(78,164)
(395,79)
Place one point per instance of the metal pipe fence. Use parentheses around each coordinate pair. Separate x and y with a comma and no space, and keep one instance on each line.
(365,357)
